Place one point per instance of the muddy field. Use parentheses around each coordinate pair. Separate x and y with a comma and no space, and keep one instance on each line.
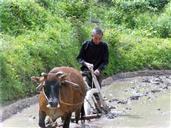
(135,102)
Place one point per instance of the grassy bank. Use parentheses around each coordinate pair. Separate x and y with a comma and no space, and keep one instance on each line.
(37,35)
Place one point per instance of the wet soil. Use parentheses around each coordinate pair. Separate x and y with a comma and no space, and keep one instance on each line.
(139,102)
(142,101)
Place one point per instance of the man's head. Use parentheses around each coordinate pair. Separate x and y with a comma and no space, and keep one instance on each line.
(97,35)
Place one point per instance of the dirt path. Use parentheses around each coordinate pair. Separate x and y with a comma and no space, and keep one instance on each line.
(136,102)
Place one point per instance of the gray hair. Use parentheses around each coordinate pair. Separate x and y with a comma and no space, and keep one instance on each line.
(97,31)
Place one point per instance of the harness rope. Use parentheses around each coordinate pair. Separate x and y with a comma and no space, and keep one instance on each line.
(60,99)
(69,104)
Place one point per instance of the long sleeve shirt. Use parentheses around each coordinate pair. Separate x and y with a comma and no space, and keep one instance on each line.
(96,54)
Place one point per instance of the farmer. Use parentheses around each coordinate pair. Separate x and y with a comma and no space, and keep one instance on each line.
(94,52)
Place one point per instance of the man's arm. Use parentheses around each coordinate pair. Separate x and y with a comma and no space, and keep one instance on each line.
(81,55)
(105,58)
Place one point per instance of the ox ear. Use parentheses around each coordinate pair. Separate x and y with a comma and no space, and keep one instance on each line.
(39,79)
(35,79)
(61,75)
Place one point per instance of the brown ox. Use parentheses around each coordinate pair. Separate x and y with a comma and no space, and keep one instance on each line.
(62,92)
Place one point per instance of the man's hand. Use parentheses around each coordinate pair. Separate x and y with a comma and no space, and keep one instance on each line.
(90,66)
(97,72)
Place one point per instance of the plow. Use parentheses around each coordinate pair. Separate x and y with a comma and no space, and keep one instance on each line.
(91,102)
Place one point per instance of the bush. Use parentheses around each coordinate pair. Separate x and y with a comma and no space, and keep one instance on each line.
(19,16)
(133,6)
(129,13)
(139,53)
(73,8)
(162,27)
(39,35)
(46,3)
(34,52)
(16,69)
(111,37)
(125,13)
(159,4)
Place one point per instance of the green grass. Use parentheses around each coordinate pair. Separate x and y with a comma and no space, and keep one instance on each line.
(38,35)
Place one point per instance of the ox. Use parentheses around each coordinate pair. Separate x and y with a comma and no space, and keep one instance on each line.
(62,92)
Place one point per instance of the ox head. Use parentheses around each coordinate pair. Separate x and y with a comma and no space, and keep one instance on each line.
(50,84)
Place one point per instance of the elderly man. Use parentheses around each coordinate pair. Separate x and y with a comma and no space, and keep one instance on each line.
(94,52)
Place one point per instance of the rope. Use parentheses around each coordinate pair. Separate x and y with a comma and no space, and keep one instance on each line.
(60,100)
(69,104)
(45,95)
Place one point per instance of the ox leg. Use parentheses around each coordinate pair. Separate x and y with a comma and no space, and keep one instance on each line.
(77,115)
(82,112)
(42,116)
(67,120)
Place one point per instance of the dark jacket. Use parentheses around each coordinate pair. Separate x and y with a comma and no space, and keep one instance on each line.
(94,54)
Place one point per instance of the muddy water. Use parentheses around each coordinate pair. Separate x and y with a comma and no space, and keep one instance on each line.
(135,102)
(27,118)
(139,104)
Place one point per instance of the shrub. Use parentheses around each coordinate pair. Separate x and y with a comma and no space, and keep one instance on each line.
(73,8)
(39,35)
(32,53)
(139,53)
(46,3)
(125,12)
(162,27)
(111,37)
(159,4)
(19,16)
(14,72)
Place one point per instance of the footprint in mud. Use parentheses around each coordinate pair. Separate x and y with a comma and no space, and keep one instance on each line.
(111,107)
(111,115)
(158,109)
(128,108)
(166,87)
(113,100)
(84,125)
(119,101)
(169,84)
(155,80)
(146,80)
(155,91)
(122,102)
(134,97)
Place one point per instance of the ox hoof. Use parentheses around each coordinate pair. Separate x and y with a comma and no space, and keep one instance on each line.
(51,125)
(42,125)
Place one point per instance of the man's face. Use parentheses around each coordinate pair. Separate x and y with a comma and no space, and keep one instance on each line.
(96,38)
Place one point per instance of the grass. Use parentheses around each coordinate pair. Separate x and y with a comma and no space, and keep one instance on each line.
(38,35)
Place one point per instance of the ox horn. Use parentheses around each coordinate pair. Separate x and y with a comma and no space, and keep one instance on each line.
(61,74)
(44,74)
